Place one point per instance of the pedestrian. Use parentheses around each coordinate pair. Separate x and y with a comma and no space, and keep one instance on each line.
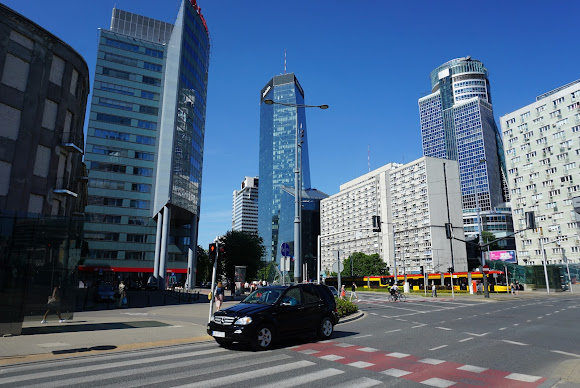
(342,292)
(54,304)
(219,295)
(122,300)
(512,288)
(434,291)
(353,291)
(517,287)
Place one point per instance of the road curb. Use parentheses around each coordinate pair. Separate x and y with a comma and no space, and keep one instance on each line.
(352,317)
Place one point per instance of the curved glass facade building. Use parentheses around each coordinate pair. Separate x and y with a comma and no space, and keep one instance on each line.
(457,123)
(278,125)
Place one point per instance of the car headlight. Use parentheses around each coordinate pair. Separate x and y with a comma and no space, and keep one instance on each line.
(212,318)
(243,321)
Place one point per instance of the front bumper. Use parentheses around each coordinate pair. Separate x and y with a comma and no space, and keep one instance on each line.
(235,333)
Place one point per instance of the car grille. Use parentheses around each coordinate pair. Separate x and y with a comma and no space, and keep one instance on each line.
(224,321)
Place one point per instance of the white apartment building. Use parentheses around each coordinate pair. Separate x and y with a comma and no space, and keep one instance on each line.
(412,202)
(542,149)
(245,206)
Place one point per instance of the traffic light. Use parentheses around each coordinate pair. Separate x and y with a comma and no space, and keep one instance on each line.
(422,270)
(211,252)
(451,269)
(376,223)
(530,220)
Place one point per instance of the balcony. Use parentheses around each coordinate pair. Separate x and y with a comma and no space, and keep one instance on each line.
(72,142)
(65,186)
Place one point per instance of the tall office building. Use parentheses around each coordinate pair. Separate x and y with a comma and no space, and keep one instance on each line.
(245,206)
(44,84)
(145,145)
(457,123)
(542,149)
(278,130)
(414,202)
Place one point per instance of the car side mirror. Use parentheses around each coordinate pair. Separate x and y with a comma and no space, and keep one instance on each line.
(285,304)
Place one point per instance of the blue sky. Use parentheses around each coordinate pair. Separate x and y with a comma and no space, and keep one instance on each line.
(369,60)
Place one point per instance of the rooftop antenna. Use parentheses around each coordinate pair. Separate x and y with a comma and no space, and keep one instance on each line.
(284,61)
(369,157)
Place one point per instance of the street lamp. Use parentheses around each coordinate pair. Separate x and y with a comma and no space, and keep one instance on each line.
(479,231)
(297,188)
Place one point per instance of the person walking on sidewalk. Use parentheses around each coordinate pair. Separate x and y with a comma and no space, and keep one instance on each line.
(353,292)
(219,295)
(342,292)
(122,301)
(434,291)
(54,304)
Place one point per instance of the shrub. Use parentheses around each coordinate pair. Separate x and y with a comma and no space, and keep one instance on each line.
(345,307)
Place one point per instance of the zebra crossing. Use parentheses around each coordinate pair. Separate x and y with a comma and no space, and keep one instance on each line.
(197,365)
(326,363)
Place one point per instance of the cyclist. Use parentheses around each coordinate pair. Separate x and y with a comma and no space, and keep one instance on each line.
(395,291)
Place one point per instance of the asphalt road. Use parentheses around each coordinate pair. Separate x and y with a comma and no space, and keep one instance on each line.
(518,342)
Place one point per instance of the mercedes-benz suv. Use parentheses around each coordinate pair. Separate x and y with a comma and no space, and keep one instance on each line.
(275,312)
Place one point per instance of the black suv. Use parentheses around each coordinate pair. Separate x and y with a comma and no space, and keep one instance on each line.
(273,312)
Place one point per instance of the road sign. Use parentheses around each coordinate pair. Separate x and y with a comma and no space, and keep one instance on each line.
(337,267)
(285,249)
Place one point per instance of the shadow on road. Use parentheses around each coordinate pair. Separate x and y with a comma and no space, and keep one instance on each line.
(76,328)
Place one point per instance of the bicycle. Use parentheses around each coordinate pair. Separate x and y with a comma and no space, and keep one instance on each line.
(397,297)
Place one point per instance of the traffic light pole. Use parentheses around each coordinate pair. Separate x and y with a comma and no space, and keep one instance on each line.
(213,279)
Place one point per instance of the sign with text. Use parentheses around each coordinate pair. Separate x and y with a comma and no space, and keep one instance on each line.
(505,256)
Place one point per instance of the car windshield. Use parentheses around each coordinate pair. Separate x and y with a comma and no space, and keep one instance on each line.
(263,296)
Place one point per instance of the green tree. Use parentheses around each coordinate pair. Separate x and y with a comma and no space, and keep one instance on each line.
(488,237)
(204,267)
(239,248)
(360,264)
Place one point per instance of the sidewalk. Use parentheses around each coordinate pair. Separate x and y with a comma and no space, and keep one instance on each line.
(91,332)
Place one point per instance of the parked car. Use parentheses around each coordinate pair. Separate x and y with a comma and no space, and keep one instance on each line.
(275,312)
(105,293)
(334,291)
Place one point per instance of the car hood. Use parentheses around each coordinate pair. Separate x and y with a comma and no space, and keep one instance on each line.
(241,309)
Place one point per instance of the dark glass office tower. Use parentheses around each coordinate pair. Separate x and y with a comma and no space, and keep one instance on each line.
(278,126)
(145,145)
(457,123)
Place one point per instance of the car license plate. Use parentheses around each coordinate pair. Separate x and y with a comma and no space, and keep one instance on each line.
(218,334)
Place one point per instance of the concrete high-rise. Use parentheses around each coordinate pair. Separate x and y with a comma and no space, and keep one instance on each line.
(145,145)
(542,151)
(245,206)
(278,130)
(457,123)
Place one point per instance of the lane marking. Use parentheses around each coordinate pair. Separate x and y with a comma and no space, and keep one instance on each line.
(437,382)
(305,378)
(357,364)
(363,382)
(420,325)
(477,335)
(443,328)
(395,372)
(397,355)
(431,361)
(515,343)
(363,336)
(439,347)
(392,331)
(466,339)
(368,350)
(472,368)
(565,353)
(309,351)
(502,328)
(522,377)
(331,357)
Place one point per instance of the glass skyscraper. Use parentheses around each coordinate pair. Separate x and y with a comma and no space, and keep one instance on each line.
(457,123)
(278,126)
(145,145)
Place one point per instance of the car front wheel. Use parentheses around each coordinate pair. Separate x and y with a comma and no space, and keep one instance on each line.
(263,339)
(325,329)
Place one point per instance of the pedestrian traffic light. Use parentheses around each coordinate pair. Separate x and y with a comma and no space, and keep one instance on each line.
(422,270)
(449,231)
(376,223)
(212,251)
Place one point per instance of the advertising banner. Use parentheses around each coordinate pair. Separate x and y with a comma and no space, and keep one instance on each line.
(505,256)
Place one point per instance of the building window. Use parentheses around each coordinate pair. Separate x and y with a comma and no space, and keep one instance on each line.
(142,171)
(138,220)
(149,95)
(112,135)
(49,114)
(145,140)
(42,161)
(144,155)
(121,59)
(117,89)
(113,119)
(146,124)
(115,103)
(106,184)
(148,110)
(138,238)
(15,72)
(139,204)
(152,66)
(56,70)
(141,187)
(135,256)
(154,53)
(151,81)
(122,45)
(100,166)
(10,119)
(5,171)
(119,74)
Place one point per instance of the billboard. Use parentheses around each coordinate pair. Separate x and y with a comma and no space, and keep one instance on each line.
(505,256)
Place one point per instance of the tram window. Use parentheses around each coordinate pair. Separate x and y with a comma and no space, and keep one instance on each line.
(384,281)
